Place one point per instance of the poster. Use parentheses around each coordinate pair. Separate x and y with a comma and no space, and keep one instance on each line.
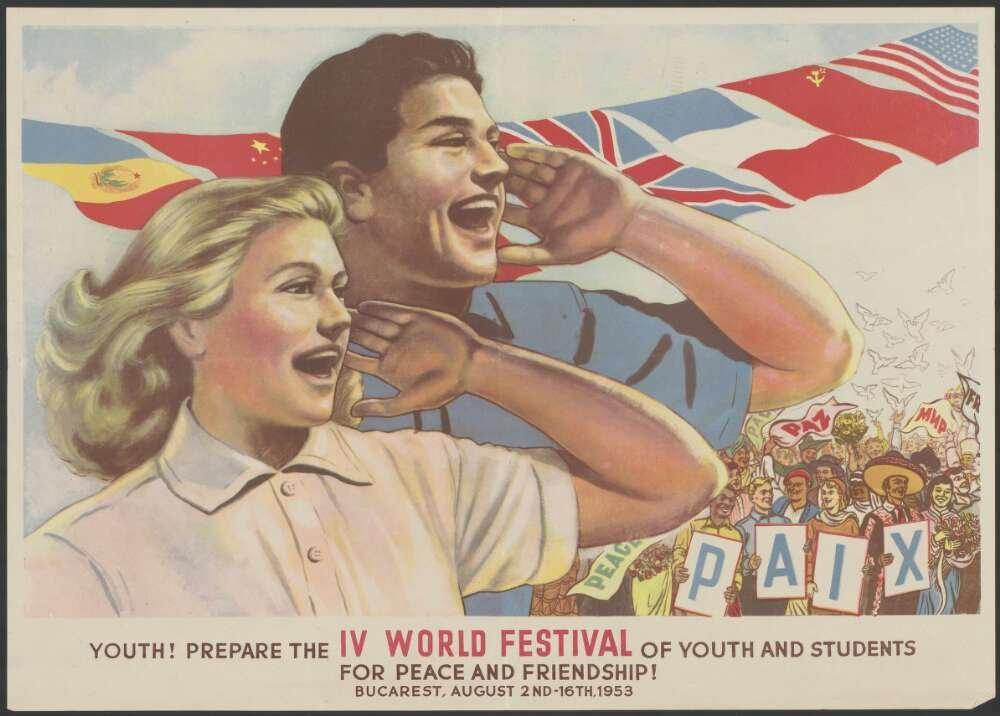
(112,112)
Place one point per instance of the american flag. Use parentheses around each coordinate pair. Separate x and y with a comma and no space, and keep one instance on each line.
(762,144)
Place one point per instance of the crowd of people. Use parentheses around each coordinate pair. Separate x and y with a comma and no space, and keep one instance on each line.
(829,486)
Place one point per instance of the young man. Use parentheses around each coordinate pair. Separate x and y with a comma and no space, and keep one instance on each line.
(762,495)
(893,478)
(717,523)
(862,502)
(398,126)
(795,505)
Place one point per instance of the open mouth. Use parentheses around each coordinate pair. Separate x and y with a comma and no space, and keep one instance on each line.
(319,363)
(474,214)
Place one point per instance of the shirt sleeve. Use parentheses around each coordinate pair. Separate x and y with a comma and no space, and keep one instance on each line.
(681,545)
(673,353)
(64,581)
(516,516)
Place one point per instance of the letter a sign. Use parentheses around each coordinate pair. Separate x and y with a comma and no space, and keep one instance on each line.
(911,553)
(782,571)
(711,564)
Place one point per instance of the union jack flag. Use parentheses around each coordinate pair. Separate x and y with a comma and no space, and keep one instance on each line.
(774,141)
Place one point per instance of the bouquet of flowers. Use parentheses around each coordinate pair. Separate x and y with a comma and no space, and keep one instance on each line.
(653,560)
(965,530)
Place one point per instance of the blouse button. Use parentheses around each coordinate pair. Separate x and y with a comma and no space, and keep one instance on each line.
(315,554)
(288,488)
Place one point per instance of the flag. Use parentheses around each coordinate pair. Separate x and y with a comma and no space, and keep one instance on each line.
(818,420)
(756,424)
(934,417)
(970,401)
(761,144)
(919,94)
(112,181)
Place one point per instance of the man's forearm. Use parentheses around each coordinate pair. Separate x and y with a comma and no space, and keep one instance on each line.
(635,446)
(770,303)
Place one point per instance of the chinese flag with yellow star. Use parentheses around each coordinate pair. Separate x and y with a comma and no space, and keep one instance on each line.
(225,155)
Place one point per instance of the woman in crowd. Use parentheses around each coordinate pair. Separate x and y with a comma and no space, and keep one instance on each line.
(834,518)
(947,553)
(201,377)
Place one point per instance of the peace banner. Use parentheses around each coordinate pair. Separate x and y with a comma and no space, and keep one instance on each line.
(609,567)
(818,421)
(936,418)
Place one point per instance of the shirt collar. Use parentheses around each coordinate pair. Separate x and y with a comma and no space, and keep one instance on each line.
(205,472)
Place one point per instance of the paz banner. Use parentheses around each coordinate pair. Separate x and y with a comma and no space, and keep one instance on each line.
(818,420)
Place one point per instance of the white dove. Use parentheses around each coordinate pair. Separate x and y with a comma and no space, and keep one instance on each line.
(866,275)
(915,359)
(942,326)
(873,414)
(891,340)
(896,403)
(872,320)
(880,361)
(944,283)
(915,324)
(964,365)
(867,391)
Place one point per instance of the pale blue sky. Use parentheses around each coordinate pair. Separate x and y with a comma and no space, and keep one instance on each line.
(143,76)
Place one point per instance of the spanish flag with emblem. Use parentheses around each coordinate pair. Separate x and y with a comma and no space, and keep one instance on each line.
(121,178)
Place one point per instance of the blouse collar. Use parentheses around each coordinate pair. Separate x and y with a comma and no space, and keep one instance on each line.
(206,473)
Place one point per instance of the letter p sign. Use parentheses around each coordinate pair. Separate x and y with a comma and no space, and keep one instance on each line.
(711,562)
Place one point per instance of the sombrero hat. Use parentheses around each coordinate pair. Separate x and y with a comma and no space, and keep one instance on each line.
(888,465)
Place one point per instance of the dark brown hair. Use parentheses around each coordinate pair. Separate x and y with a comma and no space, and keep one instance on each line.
(347,108)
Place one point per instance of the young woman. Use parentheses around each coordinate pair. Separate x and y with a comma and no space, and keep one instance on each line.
(834,518)
(948,553)
(201,378)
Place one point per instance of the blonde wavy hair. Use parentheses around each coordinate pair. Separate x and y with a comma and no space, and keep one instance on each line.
(109,376)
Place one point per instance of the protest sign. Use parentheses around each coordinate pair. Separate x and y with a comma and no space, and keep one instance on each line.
(837,573)
(909,545)
(782,570)
(711,564)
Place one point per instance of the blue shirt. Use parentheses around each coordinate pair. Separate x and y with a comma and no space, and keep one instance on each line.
(746,528)
(808,512)
(672,353)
